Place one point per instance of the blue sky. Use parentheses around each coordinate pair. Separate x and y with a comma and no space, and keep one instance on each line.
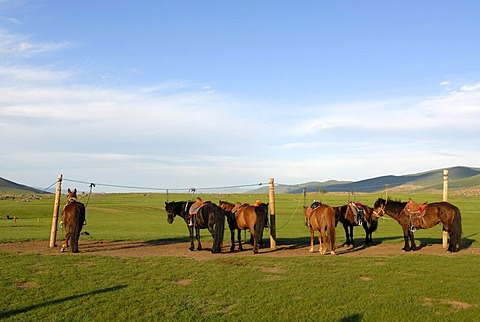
(179,94)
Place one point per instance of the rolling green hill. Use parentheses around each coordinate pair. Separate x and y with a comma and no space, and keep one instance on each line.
(10,187)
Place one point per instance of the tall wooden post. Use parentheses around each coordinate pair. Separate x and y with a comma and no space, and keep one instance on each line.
(445,198)
(304,197)
(271,200)
(56,208)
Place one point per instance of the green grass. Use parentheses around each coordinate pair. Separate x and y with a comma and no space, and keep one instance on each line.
(81,287)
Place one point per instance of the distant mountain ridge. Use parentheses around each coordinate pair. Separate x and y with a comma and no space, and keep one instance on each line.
(461,178)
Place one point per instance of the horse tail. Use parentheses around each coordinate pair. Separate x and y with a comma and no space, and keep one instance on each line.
(331,229)
(456,236)
(76,226)
(262,219)
(219,229)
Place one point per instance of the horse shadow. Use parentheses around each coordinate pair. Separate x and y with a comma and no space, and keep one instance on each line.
(7,314)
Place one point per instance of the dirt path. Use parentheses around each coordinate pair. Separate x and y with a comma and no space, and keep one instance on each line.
(158,248)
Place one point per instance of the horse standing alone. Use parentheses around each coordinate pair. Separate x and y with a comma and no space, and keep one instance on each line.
(73,217)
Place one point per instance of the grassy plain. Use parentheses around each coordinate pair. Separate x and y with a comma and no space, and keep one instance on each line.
(80,287)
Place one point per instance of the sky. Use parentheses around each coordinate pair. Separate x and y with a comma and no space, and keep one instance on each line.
(204,94)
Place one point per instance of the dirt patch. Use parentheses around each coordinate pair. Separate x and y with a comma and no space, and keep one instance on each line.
(159,248)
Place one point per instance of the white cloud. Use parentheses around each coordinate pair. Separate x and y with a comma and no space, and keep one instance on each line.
(14,44)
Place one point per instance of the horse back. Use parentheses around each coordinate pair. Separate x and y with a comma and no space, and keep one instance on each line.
(322,216)
(246,217)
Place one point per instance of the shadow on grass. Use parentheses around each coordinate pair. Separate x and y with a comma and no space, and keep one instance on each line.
(10,313)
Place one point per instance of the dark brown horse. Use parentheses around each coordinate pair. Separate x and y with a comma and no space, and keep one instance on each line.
(209,216)
(433,214)
(245,216)
(356,214)
(73,217)
(321,218)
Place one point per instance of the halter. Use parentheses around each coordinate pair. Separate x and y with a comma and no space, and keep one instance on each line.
(381,212)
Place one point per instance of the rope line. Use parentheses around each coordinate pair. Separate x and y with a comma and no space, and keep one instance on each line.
(164,189)
(294,212)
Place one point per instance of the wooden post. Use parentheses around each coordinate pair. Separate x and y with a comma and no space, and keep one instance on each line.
(445,198)
(56,208)
(271,200)
(304,197)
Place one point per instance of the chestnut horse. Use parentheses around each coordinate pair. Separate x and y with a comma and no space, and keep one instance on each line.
(245,216)
(345,214)
(322,218)
(73,217)
(435,213)
(209,216)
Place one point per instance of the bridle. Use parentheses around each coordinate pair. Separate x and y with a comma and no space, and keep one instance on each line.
(381,212)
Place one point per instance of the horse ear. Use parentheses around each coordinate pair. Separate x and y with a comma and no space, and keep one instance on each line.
(69,190)
(75,190)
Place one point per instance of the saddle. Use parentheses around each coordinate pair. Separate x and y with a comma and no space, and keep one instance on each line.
(414,209)
(357,210)
(196,206)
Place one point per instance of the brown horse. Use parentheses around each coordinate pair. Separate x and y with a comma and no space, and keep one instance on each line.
(433,214)
(245,216)
(73,217)
(356,214)
(321,218)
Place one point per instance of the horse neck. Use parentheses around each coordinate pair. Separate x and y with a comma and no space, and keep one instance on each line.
(394,208)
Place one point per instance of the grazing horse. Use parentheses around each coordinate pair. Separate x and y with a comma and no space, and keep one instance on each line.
(73,217)
(356,214)
(209,216)
(245,216)
(429,216)
(322,218)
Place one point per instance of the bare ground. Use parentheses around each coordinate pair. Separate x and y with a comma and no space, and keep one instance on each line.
(173,248)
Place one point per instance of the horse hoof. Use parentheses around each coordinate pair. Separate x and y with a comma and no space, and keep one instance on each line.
(332,252)
(311,250)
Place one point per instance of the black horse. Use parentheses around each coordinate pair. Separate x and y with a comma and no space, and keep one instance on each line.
(349,216)
(209,216)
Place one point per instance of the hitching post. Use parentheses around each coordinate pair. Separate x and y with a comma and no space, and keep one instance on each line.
(445,198)
(56,207)
(271,197)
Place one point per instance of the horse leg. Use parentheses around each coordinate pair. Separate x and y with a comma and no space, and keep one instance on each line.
(412,239)
(312,238)
(322,238)
(232,238)
(192,245)
(240,247)
(199,244)
(255,240)
(351,236)
(67,238)
(406,247)
(347,242)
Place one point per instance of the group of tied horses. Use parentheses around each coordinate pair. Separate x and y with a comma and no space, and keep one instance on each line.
(318,217)
(410,215)
(212,217)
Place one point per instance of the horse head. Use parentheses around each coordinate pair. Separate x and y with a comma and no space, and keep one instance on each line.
(72,195)
(170,208)
(379,208)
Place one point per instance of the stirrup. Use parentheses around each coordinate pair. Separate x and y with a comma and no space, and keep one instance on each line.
(413,228)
